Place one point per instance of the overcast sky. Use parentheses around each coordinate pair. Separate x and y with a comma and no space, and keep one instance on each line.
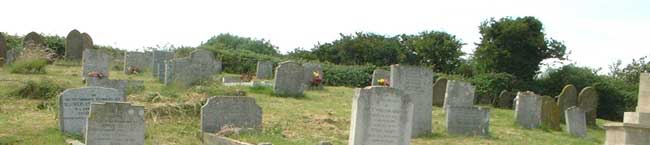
(597,32)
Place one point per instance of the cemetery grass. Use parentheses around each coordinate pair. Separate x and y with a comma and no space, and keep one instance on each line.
(319,115)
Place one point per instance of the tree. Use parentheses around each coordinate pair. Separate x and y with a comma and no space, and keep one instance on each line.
(229,41)
(515,46)
(440,50)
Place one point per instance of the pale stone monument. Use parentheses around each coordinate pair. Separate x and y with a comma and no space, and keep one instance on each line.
(588,102)
(635,129)
(264,70)
(416,83)
(95,61)
(74,45)
(379,74)
(380,116)
(75,103)
(459,94)
(115,123)
(575,121)
(462,120)
(528,109)
(439,91)
(289,79)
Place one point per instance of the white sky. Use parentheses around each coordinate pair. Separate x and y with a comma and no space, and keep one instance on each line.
(597,32)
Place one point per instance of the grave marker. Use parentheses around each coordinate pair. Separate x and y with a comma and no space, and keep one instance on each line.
(115,123)
(379,74)
(264,70)
(439,91)
(528,109)
(380,116)
(74,45)
(567,98)
(241,112)
(75,103)
(471,121)
(416,83)
(588,102)
(575,121)
(459,93)
(289,79)
(95,60)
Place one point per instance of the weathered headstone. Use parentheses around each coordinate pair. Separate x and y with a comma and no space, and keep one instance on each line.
(459,94)
(3,49)
(567,98)
(138,60)
(74,45)
(87,42)
(240,112)
(289,79)
(588,102)
(550,113)
(124,86)
(439,91)
(635,129)
(158,60)
(264,70)
(115,123)
(380,116)
(505,99)
(10,57)
(74,105)
(575,121)
(528,109)
(416,83)
(200,65)
(33,39)
(97,61)
(379,74)
(311,71)
(472,120)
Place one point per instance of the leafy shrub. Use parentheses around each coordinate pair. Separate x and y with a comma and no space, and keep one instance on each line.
(28,66)
(553,80)
(614,99)
(489,85)
(44,89)
(351,76)
(241,61)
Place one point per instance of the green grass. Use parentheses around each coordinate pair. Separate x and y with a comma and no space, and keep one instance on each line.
(319,115)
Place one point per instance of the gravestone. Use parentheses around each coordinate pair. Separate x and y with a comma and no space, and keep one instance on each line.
(124,86)
(311,70)
(459,93)
(240,112)
(200,65)
(264,70)
(289,79)
(462,120)
(416,83)
(74,45)
(87,42)
(75,103)
(379,74)
(575,121)
(115,123)
(10,57)
(158,61)
(635,129)
(528,109)
(588,102)
(33,40)
(550,113)
(3,49)
(95,60)
(439,91)
(380,116)
(567,98)
(139,60)
(505,99)
(231,79)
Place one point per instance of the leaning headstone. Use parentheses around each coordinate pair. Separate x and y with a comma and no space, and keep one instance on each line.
(575,121)
(550,113)
(74,45)
(380,116)
(33,39)
(264,70)
(115,123)
(439,91)
(87,42)
(240,112)
(136,60)
(588,102)
(635,129)
(528,109)
(3,49)
(158,60)
(379,74)
(74,105)
(312,71)
(289,79)
(200,65)
(459,94)
(95,61)
(567,98)
(505,99)
(470,121)
(416,83)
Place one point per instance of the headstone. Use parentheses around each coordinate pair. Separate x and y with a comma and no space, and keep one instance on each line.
(74,45)
(289,79)
(379,74)
(528,109)
(3,49)
(124,86)
(95,60)
(439,91)
(115,123)
(416,83)
(505,99)
(550,113)
(459,94)
(74,105)
(200,65)
(33,39)
(588,102)
(10,57)
(567,98)
(231,79)
(635,129)
(139,60)
(87,42)
(264,70)
(311,70)
(158,60)
(240,112)
(575,121)
(380,116)
(471,121)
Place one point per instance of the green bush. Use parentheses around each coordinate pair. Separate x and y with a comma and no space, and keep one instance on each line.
(553,80)
(351,76)
(614,99)
(44,89)
(28,66)
(241,61)
(490,85)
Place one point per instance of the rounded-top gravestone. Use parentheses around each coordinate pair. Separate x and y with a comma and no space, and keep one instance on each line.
(74,45)
(87,41)
(567,98)
(588,102)
(289,79)
(33,39)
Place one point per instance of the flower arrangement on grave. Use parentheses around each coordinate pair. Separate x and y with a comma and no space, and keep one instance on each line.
(95,74)
(247,77)
(383,82)
(316,79)
(133,70)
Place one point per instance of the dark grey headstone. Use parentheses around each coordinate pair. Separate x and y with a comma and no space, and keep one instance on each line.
(200,65)
(588,102)
(87,42)
(264,70)
(139,60)
(74,45)
(459,94)
(289,79)
(567,98)
(115,123)
(439,91)
(33,40)
(240,112)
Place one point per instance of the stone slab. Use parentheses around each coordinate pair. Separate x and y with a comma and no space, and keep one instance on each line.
(528,109)
(626,134)
(380,116)
(576,124)
(468,120)
(289,79)
(241,112)
(439,91)
(459,94)
(95,61)
(115,123)
(379,74)
(74,45)
(416,83)
(264,70)
(550,113)
(567,98)
(643,104)
(588,101)
(74,105)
